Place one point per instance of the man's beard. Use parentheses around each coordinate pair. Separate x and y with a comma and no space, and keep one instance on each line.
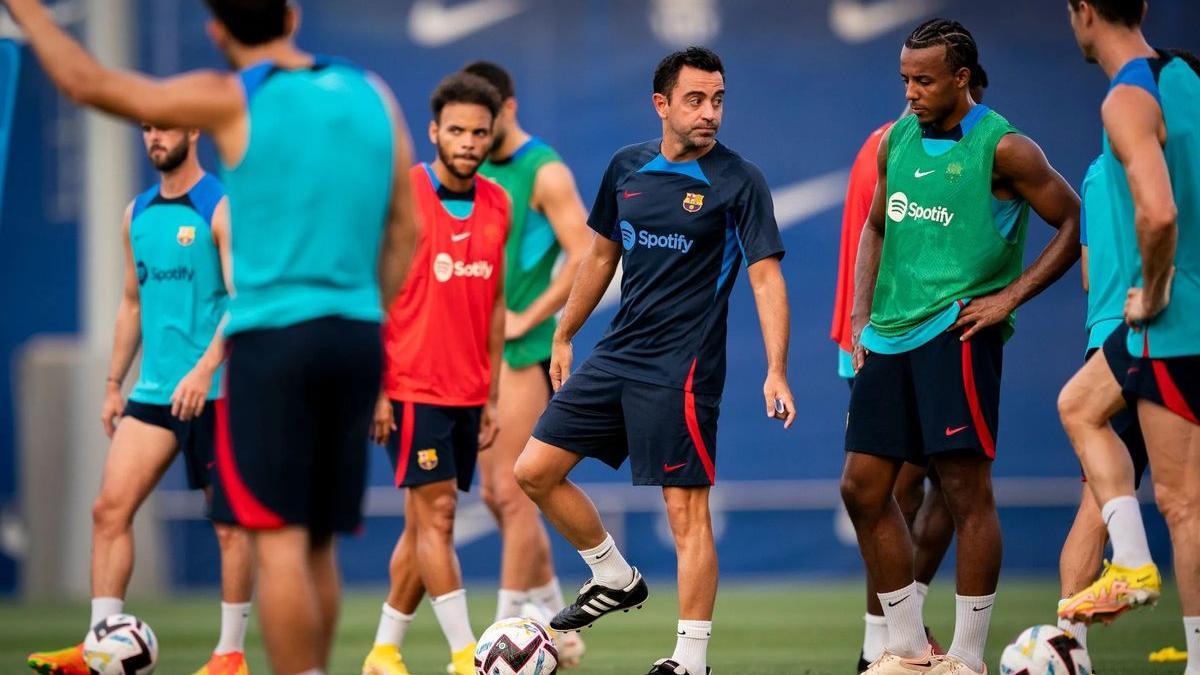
(173,159)
(448,162)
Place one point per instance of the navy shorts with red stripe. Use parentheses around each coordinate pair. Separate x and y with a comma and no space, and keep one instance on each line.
(943,396)
(1173,383)
(668,434)
(194,437)
(291,437)
(433,443)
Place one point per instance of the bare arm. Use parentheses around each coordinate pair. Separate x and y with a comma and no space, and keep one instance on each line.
(595,273)
(770,297)
(1021,166)
(127,333)
(555,195)
(206,100)
(1136,130)
(400,232)
(190,395)
(490,420)
(870,249)
(1083,265)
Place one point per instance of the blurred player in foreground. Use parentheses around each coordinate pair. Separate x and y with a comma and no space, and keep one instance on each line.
(323,239)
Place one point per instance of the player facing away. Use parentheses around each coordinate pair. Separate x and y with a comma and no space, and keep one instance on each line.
(548,223)
(176,243)
(1114,422)
(1152,170)
(320,236)
(443,339)
(939,275)
(679,213)
(924,509)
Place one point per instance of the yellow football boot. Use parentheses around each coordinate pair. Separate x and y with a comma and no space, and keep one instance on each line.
(1118,590)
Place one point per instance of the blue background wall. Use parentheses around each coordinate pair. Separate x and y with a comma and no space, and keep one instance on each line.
(801,99)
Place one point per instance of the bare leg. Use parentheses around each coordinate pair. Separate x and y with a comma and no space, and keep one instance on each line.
(1174,447)
(541,471)
(883,538)
(967,485)
(139,455)
(406,590)
(1085,405)
(237,563)
(432,519)
(932,531)
(322,560)
(1083,549)
(691,524)
(289,606)
(525,547)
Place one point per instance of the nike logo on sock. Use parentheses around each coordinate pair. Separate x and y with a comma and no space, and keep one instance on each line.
(1109,518)
(602,556)
(980,609)
(893,604)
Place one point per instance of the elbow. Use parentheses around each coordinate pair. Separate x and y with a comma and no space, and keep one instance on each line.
(1156,221)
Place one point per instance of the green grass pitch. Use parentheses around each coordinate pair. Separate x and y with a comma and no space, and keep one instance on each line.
(790,628)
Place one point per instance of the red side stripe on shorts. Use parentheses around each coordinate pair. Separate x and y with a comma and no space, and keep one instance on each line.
(405,449)
(246,508)
(981,426)
(1172,398)
(689,415)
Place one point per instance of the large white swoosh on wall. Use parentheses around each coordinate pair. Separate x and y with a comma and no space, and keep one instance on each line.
(862,20)
(432,24)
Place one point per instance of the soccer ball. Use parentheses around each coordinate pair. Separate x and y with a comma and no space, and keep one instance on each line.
(1045,650)
(120,645)
(516,647)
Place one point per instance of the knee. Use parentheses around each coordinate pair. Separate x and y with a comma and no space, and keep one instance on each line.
(508,501)
(909,496)
(861,497)
(437,517)
(109,515)
(1176,508)
(230,537)
(965,497)
(534,482)
(1072,406)
(687,513)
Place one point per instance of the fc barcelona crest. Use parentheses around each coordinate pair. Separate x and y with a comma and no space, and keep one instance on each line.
(693,202)
(186,235)
(427,459)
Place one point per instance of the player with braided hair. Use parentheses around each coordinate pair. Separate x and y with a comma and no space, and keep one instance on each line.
(938,277)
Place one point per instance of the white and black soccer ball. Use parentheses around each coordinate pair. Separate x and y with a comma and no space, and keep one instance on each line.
(120,644)
(517,646)
(1045,650)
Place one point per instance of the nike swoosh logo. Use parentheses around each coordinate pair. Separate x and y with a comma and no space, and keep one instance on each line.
(893,604)
(432,24)
(862,21)
(210,464)
(1146,578)
(631,195)
(604,555)
(460,236)
(980,609)
(951,432)
(921,174)
(674,467)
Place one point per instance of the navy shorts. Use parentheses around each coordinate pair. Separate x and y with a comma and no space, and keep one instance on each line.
(943,396)
(668,434)
(194,437)
(1173,383)
(433,443)
(1125,423)
(291,438)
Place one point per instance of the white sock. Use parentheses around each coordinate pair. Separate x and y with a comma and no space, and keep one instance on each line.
(1191,626)
(393,624)
(691,645)
(906,627)
(549,596)
(235,616)
(971,618)
(102,608)
(508,603)
(609,568)
(1077,629)
(451,611)
(313,671)
(1123,518)
(875,637)
(923,589)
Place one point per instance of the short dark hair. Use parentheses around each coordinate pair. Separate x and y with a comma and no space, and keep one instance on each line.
(252,22)
(979,77)
(666,75)
(961,50)
(1125,12)
(497,76)
(464,88)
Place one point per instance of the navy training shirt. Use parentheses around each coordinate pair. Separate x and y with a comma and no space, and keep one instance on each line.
(683,227)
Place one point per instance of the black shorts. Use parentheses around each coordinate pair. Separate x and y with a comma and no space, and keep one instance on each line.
(194,437)
(291,436)
(1173,383)
(943,396)
(1125,423)
(433,443)
(545,366)
(668,434)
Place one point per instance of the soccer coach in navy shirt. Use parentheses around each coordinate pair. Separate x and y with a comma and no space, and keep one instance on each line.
(681,213)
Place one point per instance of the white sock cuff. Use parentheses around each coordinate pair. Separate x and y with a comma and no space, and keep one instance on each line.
(447,597)
(516,596)
(232,606)
(923,589)
(695,630)
(1116,502)
(591,553)
(874,620)
(975,598)
(396,614)
(899,593)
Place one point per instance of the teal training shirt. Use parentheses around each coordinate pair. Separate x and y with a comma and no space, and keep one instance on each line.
(180,285)
(1176,87)
(1106,292)
(309,200)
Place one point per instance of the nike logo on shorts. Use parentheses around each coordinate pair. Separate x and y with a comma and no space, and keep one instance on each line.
(630,195)
(673,467)
(951,432)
